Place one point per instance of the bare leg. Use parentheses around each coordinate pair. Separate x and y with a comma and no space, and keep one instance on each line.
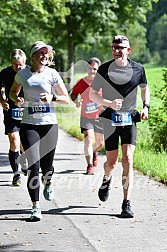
(127,164)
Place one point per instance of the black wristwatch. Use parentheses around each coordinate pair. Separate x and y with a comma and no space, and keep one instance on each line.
(54,98)
(146,105)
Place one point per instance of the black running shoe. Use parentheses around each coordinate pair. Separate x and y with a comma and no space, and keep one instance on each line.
(126,209)
(16,180)
(103,192)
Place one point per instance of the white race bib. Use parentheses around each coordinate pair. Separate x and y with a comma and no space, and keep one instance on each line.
(121,118)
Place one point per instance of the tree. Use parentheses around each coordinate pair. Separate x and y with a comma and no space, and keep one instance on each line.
(67,23)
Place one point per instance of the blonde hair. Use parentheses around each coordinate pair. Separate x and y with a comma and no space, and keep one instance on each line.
(51,57)
(18,54)
(50,53)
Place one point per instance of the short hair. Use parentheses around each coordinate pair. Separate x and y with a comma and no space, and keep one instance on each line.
(94,60)
(18,54)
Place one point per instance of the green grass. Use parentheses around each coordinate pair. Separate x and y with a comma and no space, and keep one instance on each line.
(155,82)
(145,159)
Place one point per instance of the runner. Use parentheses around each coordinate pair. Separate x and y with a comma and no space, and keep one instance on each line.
(90,124)
(39,127)
(13,114)
(119,79)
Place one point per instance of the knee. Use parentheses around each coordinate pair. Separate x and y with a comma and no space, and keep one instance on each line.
(127,159)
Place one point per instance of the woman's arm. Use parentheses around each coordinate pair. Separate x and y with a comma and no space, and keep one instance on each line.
(62,96)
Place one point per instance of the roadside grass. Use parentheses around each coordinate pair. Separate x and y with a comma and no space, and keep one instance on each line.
(146,160)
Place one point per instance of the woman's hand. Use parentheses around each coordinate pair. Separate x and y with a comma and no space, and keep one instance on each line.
(19,101)
(45,97)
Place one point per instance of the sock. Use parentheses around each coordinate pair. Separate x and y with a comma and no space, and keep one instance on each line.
(13,160)
(22,158)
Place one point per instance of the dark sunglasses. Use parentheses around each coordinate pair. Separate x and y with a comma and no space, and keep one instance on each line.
(118,47)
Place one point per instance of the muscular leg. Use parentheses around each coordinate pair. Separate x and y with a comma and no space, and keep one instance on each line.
(14,141)
(127,164)
(109,165)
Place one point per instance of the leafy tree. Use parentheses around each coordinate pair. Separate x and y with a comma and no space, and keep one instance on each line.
(66,23)
(25,21)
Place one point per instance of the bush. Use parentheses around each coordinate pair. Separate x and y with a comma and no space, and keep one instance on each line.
(158,120)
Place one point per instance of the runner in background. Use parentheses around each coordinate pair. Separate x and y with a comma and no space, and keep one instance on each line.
(90,124)
(13,114)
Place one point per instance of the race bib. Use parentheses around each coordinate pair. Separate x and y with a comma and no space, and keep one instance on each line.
(121,118)
(91,107)
(38,109)
(17,113)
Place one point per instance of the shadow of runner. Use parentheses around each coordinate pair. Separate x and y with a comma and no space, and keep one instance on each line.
(10,247)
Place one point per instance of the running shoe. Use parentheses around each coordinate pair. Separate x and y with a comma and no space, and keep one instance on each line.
(103,192)
(16,180)
(24,168)
(90,170)
(126,209)
(36,214)
(95,159)
(48,192)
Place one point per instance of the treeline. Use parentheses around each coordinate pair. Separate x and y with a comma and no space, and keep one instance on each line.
(79,29)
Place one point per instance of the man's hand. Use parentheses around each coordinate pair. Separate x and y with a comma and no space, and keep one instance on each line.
(116,104)
(78,103)
(144,113)
(5,105)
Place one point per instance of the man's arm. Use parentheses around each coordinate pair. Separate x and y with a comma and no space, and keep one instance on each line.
(145,96)
(94,96)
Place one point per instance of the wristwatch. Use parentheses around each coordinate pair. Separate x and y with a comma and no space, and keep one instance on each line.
(54,98)
(146,105)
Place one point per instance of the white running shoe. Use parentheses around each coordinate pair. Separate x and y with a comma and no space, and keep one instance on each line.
(48,192)
(36,214)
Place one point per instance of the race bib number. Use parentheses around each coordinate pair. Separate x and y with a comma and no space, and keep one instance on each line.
(121,119)
(91,107)
(17,113)
(38,109)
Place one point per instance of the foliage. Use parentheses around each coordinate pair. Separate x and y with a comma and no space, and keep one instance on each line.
(66,23)
(158,39)
(158,119)
(25,21)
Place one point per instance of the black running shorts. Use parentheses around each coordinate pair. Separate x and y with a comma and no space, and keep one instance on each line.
(11,125)
(112,134)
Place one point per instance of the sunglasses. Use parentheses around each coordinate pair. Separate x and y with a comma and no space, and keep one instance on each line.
(118,47)
(92,68)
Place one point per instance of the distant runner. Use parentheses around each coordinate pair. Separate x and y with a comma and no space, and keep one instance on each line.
(90,124)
